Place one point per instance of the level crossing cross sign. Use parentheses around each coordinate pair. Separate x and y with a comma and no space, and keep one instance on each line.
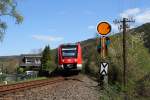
(104,68)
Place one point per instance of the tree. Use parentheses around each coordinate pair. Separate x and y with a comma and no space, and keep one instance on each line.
(46,58)
(20,70)
(8,8)
(56,57)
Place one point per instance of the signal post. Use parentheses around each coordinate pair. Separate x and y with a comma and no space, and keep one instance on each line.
(103,29)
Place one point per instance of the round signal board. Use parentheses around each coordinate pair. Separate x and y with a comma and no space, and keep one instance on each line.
(103,28)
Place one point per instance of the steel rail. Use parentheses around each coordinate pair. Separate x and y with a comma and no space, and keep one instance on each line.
(11,88)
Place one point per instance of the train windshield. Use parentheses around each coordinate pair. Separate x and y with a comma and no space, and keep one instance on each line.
(69,52)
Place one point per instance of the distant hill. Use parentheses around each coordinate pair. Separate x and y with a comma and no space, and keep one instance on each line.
(9,57)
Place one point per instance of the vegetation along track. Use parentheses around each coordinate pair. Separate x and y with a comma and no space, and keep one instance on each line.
(6,89)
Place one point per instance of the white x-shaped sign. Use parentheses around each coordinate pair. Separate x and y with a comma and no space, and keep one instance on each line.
(104,68)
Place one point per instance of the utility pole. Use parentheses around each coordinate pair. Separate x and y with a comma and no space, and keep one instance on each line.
(123,24)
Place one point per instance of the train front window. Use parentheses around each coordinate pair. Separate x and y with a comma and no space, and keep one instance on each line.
(69,52)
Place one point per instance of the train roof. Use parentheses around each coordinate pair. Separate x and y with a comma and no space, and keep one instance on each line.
(70,44)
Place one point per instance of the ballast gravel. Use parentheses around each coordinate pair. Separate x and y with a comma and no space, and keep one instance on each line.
(79,88)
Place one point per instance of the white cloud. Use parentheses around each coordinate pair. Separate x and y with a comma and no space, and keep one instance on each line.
(114,28)
(130,12)
(91,27)
(140,15)
(143,17)
(47,38)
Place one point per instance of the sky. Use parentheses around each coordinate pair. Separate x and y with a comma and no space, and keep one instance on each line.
(54,22)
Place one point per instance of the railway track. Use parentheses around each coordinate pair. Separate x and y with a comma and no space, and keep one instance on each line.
(11,88)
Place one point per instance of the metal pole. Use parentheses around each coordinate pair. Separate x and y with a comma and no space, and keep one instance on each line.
(103,55)
(103,44)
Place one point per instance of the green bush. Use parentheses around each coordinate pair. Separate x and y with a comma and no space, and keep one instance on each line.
(50,66)
(20,70)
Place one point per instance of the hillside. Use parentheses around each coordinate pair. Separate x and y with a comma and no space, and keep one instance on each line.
(9,64)
(138,60)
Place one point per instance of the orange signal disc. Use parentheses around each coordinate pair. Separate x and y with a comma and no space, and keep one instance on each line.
(103,28)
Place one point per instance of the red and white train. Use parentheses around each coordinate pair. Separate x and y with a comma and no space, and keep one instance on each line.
(70,57)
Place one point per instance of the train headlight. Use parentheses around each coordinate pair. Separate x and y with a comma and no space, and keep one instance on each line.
(75,60)
(63,60)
